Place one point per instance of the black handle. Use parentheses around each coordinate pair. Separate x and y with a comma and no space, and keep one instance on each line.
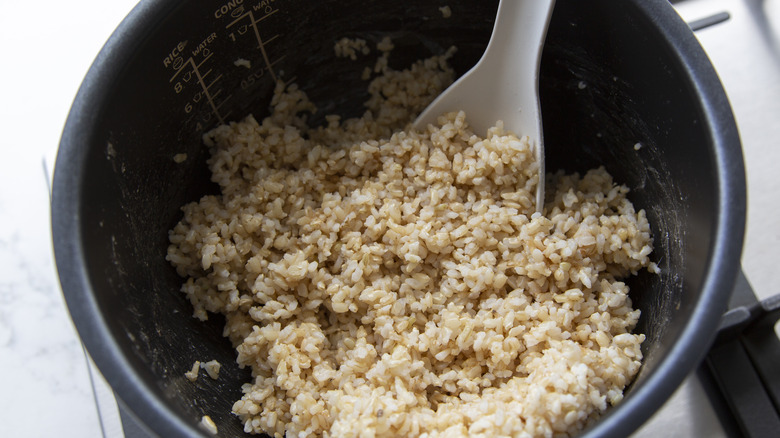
(745,363)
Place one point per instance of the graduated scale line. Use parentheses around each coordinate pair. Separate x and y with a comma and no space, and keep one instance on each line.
(201,81)
(256,31)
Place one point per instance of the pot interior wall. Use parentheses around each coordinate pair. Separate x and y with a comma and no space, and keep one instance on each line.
(614,94)
(608,83)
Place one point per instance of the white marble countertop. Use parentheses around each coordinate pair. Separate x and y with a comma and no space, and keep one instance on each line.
(47,47)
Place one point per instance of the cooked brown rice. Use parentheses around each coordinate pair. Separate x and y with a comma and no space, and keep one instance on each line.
(212,368)
(389,282)
(349,48)
(208,424)
(192,374)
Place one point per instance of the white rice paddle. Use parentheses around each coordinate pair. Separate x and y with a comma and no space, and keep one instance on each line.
(503,85)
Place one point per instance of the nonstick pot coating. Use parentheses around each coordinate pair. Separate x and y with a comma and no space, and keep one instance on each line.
(614,75)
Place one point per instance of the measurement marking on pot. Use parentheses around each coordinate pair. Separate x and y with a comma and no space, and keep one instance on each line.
(256,30)
(194,70)
(271,64)
(214,82)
